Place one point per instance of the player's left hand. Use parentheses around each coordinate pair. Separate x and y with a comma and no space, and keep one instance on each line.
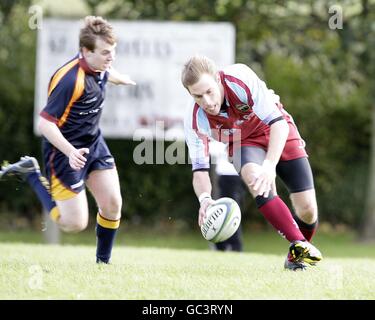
(263,180)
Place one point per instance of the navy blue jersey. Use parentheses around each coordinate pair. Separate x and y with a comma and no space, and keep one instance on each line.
(75,102)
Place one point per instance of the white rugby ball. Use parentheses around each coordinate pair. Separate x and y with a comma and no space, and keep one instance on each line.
(222,220)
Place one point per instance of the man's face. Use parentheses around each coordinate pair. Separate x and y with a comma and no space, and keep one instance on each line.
(102,57)
(208,93)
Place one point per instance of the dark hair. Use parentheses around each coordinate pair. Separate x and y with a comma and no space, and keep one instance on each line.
(93,28)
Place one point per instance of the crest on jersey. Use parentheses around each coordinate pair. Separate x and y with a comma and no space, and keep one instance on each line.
(242,107)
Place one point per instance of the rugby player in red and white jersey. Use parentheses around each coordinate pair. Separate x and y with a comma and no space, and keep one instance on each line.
(234,106)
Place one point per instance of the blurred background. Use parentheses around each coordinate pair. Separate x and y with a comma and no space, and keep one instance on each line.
(317,55)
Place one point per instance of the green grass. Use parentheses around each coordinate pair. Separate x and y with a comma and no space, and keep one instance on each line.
(142,269)
(335,244)
(68,272)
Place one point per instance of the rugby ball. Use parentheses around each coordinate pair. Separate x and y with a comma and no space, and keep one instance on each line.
(222,220)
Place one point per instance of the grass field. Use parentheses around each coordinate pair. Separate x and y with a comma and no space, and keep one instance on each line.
(149,266)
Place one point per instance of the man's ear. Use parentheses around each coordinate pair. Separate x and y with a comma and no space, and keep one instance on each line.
(218,77)
(85,51)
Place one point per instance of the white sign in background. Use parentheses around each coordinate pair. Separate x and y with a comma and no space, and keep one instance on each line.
(153,54)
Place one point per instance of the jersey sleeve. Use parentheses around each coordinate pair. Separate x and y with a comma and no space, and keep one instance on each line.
(265,100)
(197,137)
(59,98)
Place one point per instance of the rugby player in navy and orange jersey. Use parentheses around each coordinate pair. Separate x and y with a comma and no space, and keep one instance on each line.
(236,107)
(75,153)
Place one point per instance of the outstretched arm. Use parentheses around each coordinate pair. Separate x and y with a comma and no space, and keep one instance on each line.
(118,78)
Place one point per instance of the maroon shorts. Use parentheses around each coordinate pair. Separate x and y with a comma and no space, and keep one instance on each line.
(294,146)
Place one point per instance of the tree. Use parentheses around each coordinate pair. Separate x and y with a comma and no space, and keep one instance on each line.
(367,231)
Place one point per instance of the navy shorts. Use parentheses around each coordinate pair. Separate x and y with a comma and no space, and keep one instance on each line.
(64,180)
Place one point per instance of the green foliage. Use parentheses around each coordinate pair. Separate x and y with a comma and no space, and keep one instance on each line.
(17,66)
(335,123)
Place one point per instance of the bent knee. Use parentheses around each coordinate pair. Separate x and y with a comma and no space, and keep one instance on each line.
(112,207)
(308,212)
(73,227)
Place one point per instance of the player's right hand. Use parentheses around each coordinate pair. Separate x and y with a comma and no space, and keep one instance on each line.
(77,160)
(202,210)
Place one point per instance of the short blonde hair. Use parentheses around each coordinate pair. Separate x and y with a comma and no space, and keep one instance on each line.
(195,67)
(93,28)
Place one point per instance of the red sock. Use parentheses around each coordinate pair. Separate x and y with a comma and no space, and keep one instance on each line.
(279,215)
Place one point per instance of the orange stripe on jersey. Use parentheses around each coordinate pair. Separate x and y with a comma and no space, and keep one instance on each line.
(78,91)
(59,74)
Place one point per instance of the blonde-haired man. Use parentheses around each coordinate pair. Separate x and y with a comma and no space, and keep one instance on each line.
(75,153)
(234,106)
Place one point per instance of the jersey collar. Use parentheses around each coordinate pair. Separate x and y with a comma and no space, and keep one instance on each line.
(84,65)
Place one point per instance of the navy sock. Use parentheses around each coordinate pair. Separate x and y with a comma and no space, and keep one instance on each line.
(41,187)
(105,235)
